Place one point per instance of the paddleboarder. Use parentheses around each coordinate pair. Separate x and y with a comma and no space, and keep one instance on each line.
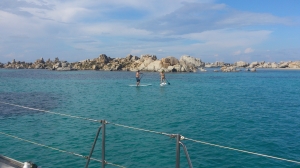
(138,77)
(162,77)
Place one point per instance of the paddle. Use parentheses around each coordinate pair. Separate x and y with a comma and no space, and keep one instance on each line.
(168,82)
(141,76)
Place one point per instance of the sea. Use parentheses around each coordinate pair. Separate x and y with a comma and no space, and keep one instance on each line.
(231,120)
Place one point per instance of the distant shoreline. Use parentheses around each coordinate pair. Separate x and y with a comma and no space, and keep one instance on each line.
(148,63)
(280,68)
(241,68)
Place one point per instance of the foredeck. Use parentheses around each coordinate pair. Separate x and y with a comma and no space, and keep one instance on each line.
(6,162)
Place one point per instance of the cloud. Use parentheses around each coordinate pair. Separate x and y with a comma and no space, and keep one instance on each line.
(16,7)
(238,18)
(227,38)
(113,29)
(248,50)
(237,52)
(200,17)
(83,29)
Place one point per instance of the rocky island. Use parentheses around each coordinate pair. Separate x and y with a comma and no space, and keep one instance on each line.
(129,63)
(146,62)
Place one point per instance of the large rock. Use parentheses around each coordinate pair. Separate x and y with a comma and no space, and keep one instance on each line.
(103,59)
(165,60)
(148,57)
(228,69)
(166,65)
(170,60)
(95,67)
(64,69)
(40,61)
(191,60)
(173,61)
(134,58)
(171,69)
(144,61)
(274,65)
(57,65)
(266,65)
(253,64)
(177,67)
(218,64)
(155,65)
(56,60)
(64,64)
(187,67)
(241,64)
(295,64)
(39,66)
(128,57)
(283,65)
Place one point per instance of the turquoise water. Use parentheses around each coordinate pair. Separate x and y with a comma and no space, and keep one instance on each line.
(257,112)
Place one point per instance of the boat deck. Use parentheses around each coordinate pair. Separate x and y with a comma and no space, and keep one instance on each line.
(6,162)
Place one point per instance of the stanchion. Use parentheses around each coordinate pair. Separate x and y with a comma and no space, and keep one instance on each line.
(177,151)
(92,150)
(103,144)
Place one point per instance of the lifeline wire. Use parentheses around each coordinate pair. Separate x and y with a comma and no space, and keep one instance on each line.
(220,146)
(63,151)
(244,151)
(51,112)
(140,129)
(162,133)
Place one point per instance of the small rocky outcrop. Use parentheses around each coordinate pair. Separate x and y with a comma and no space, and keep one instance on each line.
(288,64)
(254,65)
(229,69)
(241,64)
(202,69)
(216,64)
(63,66)
(17,65)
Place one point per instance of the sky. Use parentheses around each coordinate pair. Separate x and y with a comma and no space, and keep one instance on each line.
(211,30)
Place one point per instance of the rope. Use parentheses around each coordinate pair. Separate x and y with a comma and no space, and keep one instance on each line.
(60,150)
(93,120)
(244,151)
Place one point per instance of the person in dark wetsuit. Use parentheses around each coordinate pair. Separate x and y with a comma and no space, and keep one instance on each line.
(138,77)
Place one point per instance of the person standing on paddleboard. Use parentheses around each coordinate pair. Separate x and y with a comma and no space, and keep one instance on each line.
(138,77)
(162,77)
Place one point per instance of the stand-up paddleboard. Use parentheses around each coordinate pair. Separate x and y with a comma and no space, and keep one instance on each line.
(163,84)
(142,85)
